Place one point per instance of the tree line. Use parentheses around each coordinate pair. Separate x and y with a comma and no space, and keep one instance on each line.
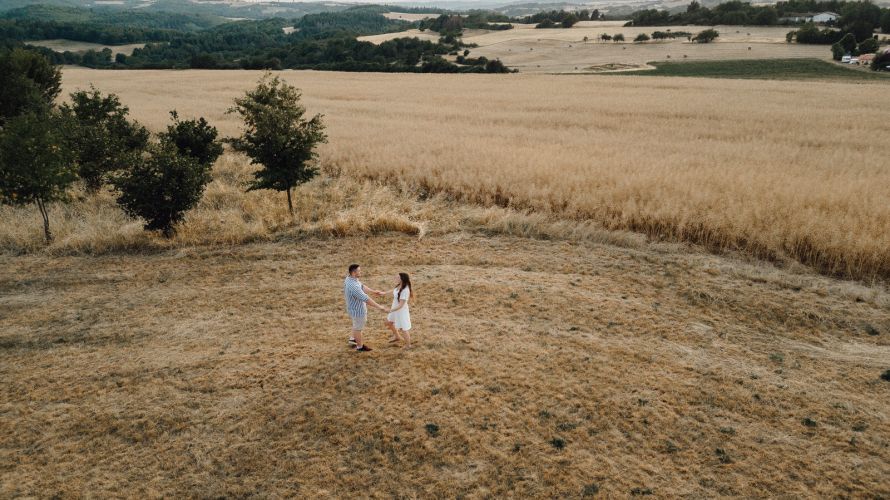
(325,41)
(454,24)
(855,17)
(45,149)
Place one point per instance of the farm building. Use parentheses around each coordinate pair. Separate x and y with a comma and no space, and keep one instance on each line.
(814,17)
(825,17)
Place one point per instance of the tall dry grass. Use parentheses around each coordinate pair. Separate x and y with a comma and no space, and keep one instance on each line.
(772,169)
(329,206)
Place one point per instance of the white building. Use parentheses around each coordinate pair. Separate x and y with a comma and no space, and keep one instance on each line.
(825,17)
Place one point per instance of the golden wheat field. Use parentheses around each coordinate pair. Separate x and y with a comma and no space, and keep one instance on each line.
(778,170)
(572,338)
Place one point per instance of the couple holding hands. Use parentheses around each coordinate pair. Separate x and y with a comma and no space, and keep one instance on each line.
(357,299)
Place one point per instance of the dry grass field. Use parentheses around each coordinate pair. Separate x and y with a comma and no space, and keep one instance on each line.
(558,353)
(564,51)
(541,369)
(777,170)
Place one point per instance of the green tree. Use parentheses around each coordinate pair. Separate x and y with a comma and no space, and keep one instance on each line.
(860,18)
(35,164)
(618,38)
(881,62)
(766,17)
(706,36)
(162,187)
(278,136)
(105,140)
(195,138)
(642,37)
(28,82)
(844,46)
(868,46)
(885,21)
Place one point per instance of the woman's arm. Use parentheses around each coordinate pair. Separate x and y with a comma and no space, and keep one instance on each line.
(401,305)
(371,290)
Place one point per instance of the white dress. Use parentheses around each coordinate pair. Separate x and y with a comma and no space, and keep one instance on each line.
(401,318)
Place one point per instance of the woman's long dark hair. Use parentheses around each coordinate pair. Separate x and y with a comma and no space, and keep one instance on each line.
(406,283)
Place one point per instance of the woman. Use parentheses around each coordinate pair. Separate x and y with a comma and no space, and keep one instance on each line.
(399,318)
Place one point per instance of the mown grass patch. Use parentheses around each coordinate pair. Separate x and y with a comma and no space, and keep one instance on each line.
(762,69)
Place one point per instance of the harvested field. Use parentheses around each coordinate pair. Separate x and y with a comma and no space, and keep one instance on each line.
(61,45)
(408,16)
(564,51)
(412,33)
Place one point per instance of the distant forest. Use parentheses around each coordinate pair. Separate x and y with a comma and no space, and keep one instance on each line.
(858,17)
(324,41)
(197,36)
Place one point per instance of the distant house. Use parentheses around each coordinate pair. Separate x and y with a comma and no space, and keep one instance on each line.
(796,17)
(825,17)
(810,17)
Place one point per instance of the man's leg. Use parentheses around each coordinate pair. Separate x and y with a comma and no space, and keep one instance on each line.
(358,324)
(357,335)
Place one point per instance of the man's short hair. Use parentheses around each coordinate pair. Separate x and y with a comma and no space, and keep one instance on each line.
(352,268)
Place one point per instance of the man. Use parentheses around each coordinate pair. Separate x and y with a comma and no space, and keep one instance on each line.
(357,298)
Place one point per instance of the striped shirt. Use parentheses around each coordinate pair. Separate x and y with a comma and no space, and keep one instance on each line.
(355,297)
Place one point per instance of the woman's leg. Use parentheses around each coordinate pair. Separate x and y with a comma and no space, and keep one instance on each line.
(395,333)
(407,338)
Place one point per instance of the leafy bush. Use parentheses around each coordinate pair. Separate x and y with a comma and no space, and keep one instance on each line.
(662,35)
(809,33)
(195,138)
(277,136)
(868,46)
(619,37)
(881,62)
(35,164)
(844,46)
(162,187)
(642,37)
(706,36)
(104,140)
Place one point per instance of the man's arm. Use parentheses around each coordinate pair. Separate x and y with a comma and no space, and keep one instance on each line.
(363,296)
(371,290)
(374,304)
